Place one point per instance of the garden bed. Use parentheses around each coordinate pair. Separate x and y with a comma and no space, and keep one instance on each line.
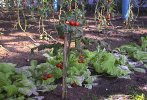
(16,48)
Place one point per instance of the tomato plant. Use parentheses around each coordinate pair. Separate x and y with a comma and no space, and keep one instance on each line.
(103,11)
(76,72)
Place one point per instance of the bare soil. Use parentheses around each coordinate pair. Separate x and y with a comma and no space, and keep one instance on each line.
(16,48)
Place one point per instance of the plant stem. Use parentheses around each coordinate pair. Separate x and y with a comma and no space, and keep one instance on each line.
(65,62)
(78,44)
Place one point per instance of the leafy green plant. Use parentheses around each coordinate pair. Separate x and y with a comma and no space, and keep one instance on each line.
(77,71)
(14,85)
(139,97)
(144,43)
(133,50)
(105,62)
(136,51)
(41,75)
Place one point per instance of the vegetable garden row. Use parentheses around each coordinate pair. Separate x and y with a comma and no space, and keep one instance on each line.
(82,70)
(65,66)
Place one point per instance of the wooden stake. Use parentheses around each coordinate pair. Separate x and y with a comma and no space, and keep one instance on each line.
(65,63)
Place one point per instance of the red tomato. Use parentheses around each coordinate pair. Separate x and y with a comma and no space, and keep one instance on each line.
(58,65)
(61,67)
(72,23)
(77,24)
(80,61)
(81,57)
(49,75)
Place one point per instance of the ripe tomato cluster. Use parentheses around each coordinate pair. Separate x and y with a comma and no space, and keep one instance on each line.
(108,17)
(72,23)
(46,76)
(81,59)
(59,65)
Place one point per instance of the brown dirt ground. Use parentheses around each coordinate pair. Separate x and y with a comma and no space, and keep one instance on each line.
(16,46)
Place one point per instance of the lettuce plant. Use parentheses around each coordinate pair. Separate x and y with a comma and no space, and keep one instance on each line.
(77,72)
(105,62)
(14,85)
(37,73)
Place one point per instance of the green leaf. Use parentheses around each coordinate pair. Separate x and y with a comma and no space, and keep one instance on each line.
(130,49)
(57,73)
(27,83)
(108,61)
(140,55)
(48,81)
(2,96)
(34,63)
(24,90)
(141,70)
(79,80)
(20,98)
(73,71)
(11,90)
(70,79)
(51,87)
(97,67)
(145,65)
(43,66)
(89,80)
(7,67)
(144,43)
(89,55)
(47,88)
(3,80)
